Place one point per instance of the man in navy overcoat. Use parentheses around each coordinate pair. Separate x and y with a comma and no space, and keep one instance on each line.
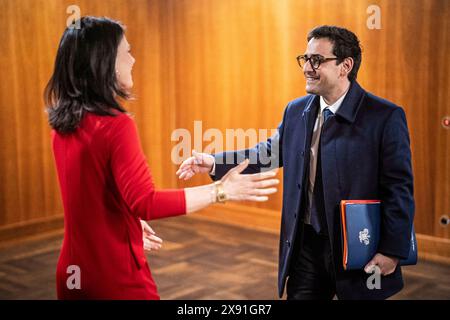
(338,142)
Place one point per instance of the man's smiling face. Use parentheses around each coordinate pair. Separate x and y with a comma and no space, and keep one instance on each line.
(326,77)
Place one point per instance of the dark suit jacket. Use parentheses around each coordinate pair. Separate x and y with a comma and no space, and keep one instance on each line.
(365,152)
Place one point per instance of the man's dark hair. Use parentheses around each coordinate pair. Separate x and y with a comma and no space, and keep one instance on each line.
(345,44)
(84,77)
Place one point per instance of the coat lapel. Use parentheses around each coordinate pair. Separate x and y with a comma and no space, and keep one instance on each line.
(352,102)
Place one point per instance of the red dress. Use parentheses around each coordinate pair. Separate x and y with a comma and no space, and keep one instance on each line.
(106,189)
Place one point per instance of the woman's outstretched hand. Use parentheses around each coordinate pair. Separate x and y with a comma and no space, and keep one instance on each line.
(250,187)
(234,186)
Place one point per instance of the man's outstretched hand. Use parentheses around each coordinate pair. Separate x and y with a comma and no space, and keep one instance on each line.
(198,163)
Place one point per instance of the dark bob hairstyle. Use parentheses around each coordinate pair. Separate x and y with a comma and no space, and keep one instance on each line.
(84,78)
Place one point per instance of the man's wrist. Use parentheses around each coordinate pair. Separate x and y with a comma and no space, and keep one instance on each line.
(390,256)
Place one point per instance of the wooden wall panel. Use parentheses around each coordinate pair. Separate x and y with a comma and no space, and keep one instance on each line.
(235,68)
(32,30)
(230,64)
(28,190)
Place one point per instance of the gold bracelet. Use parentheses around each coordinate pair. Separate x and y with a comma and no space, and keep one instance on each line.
(221,196)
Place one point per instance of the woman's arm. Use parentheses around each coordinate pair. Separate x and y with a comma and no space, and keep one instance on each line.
(135,184)
(133,177)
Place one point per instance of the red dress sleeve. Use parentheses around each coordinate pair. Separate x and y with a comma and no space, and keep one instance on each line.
(133,177)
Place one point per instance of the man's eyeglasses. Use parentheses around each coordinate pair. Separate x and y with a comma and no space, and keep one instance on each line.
(315,59)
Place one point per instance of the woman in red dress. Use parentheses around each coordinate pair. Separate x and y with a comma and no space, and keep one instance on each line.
(106,186)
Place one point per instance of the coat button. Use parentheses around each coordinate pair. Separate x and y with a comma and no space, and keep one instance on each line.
(299,185)
(295,215)
(288,243)
(303,153)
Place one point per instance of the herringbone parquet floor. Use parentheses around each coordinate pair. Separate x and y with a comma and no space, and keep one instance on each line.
(199,260)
